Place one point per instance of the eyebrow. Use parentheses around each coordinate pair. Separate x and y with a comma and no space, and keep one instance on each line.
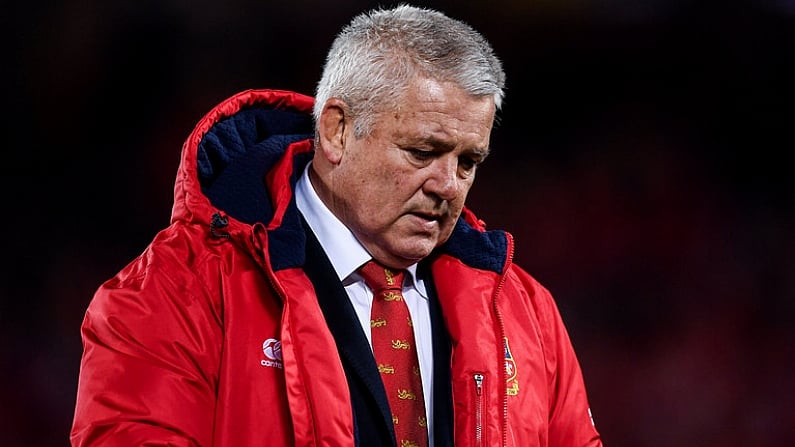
(481,153)
(445,145)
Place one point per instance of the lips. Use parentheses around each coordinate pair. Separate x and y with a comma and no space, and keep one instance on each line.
(429,216)
(427,223)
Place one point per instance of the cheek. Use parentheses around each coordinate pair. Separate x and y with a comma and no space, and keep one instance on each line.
(463,193)
(457,204)
(404,185)
(400,184)
(374,197)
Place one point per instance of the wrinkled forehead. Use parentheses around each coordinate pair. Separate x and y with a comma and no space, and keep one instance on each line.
(440,112)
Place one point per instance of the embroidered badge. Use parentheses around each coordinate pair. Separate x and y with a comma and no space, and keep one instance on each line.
(511,382)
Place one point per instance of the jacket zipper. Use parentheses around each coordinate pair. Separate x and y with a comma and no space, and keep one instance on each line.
(478,377)
(501,323)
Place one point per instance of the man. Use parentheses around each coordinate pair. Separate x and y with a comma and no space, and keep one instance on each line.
(248,320)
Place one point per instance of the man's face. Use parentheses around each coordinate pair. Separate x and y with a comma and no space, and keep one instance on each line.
(401,189)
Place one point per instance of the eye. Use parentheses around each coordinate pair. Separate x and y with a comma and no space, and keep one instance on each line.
(420,155)
(467,163)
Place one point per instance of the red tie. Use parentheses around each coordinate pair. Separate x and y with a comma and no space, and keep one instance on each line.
(395,354)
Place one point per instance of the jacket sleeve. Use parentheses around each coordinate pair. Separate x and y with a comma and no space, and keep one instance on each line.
(570,421)
(151,348)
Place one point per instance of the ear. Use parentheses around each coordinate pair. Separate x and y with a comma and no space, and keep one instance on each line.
(332,129)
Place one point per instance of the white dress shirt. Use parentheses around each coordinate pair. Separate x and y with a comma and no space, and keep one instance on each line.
(347,254)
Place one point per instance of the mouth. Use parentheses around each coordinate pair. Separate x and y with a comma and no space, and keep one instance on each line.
(428,221)
(429,216)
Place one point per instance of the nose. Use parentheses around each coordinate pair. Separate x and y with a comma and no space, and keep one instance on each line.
(443,180)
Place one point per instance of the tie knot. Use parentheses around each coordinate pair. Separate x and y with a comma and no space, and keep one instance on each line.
(379,278)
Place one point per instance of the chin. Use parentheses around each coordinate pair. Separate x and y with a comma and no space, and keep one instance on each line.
(412,245)
(420,253)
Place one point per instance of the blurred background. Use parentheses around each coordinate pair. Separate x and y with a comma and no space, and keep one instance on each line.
(641,162)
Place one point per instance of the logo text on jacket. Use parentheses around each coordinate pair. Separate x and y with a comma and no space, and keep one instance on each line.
(272,349)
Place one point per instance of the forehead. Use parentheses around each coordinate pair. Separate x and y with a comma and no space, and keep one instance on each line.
(441,112)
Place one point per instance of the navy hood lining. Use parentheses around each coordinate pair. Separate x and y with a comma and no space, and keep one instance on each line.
(481,250)
(236,154)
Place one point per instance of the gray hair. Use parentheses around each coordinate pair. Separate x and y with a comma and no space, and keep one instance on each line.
(373,60)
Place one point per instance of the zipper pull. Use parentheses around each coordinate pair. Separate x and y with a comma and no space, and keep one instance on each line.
(478,383)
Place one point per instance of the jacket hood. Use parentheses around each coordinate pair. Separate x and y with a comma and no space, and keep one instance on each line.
(226,157)
(239,167)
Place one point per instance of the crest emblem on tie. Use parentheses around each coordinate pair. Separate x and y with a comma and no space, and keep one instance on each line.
(392,296)
(390,277)
(400,344)
(406,394)
(386,369)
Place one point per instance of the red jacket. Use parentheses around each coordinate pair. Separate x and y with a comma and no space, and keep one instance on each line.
(213,336)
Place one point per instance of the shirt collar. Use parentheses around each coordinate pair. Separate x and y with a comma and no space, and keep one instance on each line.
(344,251)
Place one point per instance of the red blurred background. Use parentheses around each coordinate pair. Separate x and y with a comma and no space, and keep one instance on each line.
(640,161)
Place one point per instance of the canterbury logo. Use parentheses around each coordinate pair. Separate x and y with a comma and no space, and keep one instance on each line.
(272,349)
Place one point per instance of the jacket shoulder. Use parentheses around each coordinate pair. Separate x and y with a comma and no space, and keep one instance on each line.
(152,345)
